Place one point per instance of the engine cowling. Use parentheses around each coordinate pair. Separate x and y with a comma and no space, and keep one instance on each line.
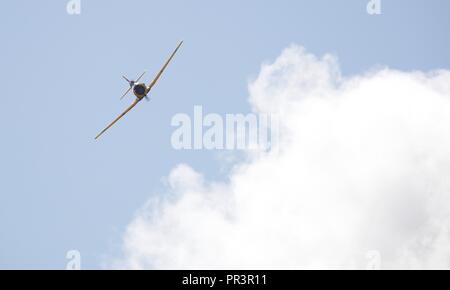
(139,90)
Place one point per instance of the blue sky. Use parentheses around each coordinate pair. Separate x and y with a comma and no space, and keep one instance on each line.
(61,82)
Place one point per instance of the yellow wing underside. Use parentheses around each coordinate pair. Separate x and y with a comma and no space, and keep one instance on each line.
(118,118)
(153,82)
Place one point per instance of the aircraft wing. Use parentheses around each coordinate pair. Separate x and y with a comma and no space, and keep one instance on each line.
(118,118)
(153,82)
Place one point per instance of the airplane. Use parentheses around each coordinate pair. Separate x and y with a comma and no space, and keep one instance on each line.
(140,90)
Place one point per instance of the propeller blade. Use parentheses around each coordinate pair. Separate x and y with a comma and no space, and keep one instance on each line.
(129,89)
(147,98)
(140,76)
(125,78)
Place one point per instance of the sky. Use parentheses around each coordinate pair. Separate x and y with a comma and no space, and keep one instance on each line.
(61,82)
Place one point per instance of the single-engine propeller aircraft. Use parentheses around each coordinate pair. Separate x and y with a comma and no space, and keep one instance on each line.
(140,90)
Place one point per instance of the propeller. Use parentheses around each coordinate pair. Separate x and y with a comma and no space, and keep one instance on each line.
(131,83)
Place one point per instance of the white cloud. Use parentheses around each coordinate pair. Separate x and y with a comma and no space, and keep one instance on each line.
(363,164)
